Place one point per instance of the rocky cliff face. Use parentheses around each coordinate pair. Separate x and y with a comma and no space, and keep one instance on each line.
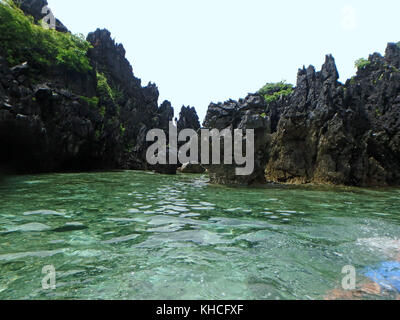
(332,133)
(135,107)
(61,120)
(244,114)
(43,128)
(341,134)
(58,118)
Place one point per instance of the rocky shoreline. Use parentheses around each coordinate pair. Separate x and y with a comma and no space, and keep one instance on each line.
(325,132)
(320,131)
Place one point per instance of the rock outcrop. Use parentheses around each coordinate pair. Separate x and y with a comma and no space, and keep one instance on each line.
(325,131)
(341,134)
(57,118)
(60,120)
(43,128)
(188,119)
(243,114)
(135,107)
(194,168)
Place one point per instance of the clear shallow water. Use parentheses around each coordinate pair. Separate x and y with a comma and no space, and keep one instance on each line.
(137,235)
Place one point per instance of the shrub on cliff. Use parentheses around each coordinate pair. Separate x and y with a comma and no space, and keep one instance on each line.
(22,40)
(103,88)
(273,91)
(362,63)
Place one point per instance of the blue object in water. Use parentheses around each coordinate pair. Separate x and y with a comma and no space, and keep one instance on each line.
(387,275)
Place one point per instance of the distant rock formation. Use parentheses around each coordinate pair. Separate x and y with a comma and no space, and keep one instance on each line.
(188,119)
(243,114)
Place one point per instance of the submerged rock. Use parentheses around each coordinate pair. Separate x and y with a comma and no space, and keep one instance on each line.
(70,227)
(194,168)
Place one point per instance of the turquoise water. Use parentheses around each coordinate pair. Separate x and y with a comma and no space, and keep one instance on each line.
(137,235)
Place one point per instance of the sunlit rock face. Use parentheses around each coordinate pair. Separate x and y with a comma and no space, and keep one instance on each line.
(312,138)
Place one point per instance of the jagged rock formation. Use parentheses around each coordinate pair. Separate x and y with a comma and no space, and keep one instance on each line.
(341,134)
(59,119)
(188,119)
(310,128)
(243,114)
(135,106)
(328,132)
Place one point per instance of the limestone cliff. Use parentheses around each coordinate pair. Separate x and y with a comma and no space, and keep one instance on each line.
(68,103)
(328,132)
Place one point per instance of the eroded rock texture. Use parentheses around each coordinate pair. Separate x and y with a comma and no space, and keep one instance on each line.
(243,114)
(341,134)
(135,107)
(60,120)
(325,131)
(188,119)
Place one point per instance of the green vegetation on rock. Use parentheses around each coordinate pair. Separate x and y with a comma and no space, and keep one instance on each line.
(21,40)
(273,91)
(362,63)
(92,102)
(105,93)
(105,90)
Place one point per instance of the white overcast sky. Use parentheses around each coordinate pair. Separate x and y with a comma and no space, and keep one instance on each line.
(212,50)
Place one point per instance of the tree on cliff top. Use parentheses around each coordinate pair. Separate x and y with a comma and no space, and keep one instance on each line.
(22,40)
(273,91)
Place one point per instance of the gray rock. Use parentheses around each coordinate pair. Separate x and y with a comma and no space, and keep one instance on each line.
(193,168)
(340,134)
(245,114)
